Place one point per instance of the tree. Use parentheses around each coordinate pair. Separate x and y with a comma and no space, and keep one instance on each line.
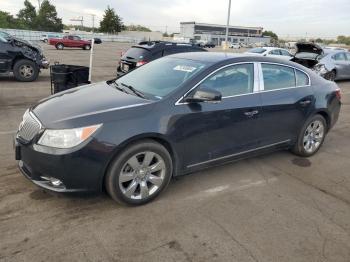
(7,20)
(137,28)
(271,34)
(111,22)
(47,19)
(341,39)
(27,16)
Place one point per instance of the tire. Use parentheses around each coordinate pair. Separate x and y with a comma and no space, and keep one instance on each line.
(311,136)
(59,46)
(25,70)
(135,186)
(87,47)
(331,76)
(46,41)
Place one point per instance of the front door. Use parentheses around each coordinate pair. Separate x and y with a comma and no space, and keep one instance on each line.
(214,131)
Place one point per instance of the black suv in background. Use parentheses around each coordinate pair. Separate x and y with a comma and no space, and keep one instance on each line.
(145,52)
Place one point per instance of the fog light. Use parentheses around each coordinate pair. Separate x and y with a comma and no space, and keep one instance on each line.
(53,181)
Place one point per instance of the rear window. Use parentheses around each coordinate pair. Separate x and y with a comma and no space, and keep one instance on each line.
(257,50)
(136,53)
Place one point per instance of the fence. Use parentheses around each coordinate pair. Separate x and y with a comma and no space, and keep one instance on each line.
(36,35)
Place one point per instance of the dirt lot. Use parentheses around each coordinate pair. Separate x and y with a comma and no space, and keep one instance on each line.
(272,208)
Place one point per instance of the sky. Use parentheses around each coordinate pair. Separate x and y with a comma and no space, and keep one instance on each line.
(309,18)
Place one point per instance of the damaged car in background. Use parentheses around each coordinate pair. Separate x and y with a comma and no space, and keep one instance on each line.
(330,64)
(21,57)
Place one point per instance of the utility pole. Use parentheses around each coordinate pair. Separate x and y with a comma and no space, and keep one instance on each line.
(228,22)
(93,21)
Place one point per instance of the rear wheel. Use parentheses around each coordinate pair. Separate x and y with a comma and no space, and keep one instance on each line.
(139,173)
(331,76)
(311,136)
(59,46)
(25,70)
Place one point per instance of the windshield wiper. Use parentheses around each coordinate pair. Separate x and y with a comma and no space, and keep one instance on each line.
(135,91)
(116,85)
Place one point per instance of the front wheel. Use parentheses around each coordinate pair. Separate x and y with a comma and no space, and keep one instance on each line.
(311,136)
(59,46)
(25,70)
(87,47)
(139,173)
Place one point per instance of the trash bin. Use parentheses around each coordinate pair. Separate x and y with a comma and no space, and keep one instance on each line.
(64,77)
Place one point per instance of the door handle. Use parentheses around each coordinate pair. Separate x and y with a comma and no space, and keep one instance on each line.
(305,102)
(251,113)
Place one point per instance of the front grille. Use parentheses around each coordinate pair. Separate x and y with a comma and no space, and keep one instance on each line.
(29,127)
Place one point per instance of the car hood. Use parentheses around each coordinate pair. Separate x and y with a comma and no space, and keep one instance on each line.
(308,48)
(90,101)
(19,42)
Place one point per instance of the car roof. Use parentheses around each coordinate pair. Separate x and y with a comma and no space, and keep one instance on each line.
(219,57)
(160,44)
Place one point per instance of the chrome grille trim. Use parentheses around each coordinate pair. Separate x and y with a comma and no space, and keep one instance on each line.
(29,127)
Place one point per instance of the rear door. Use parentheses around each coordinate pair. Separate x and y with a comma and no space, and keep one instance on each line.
(287,99)
(341,64)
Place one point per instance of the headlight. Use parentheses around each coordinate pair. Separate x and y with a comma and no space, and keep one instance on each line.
(321,68)
(67,138)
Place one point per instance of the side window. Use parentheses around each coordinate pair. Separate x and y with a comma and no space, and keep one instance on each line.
(277,76)
(233,80)
(70,37)
(275,52)
(339,57)
(348,56)
(302,78)
(285,53)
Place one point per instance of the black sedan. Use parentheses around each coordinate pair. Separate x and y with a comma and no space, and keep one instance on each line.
(173,116)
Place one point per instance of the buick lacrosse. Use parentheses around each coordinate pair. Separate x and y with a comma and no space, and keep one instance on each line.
(170,117)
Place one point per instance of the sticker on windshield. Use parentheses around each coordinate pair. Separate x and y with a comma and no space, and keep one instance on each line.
(185,68)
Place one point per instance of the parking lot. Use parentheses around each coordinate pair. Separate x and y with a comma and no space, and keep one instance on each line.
(276,207)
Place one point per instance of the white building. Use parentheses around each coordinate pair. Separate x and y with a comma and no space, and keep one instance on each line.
(216,33)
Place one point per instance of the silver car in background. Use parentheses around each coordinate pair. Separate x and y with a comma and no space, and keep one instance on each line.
(331,64)
(335,65)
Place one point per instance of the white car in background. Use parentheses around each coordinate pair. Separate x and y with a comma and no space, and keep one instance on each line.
(235,45)
(271,51)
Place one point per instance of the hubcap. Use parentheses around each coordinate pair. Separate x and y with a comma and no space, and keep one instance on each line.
(142,175)
(26,71)
(313,136)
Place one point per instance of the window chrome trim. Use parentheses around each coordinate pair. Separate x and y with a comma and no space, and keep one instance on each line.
(239,153)
(262,85)
(215,71)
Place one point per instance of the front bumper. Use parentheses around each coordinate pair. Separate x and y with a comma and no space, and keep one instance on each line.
(79,171)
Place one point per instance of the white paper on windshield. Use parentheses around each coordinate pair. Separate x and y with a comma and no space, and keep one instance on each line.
(185,68)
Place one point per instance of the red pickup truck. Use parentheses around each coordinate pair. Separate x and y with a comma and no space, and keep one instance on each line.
(70,41)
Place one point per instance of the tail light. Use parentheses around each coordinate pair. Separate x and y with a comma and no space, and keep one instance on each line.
(338,94)
(141,63)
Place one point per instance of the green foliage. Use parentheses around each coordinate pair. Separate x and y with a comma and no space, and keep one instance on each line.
(7,20)
(343,39)
(27,16)
(111,22)
(271,34)
(47,19)
(137,28)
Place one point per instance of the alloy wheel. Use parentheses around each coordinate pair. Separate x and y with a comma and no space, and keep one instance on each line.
(142,175)
(26,71)
(313,136)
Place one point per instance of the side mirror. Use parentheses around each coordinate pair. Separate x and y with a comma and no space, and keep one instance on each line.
(204,95)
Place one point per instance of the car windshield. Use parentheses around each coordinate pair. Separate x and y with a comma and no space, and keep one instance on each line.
(5,35)
(160,77)
(257,50)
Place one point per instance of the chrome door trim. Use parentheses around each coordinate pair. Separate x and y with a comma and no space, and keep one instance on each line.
(240,153)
